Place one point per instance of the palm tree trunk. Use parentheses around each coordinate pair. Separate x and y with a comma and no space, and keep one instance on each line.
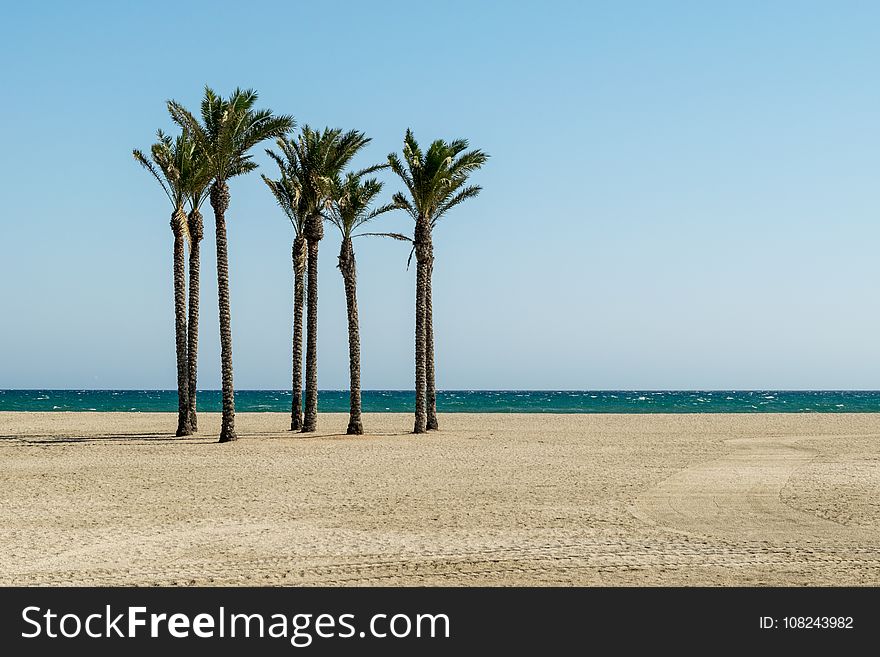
(195,234)
(422,245)
(178,221)
(299,256)
(421,383)
(314,232)
(430,389)
(219,202)
(349,277)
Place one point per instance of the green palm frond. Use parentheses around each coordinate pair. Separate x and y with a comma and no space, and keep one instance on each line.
(182,117)
(240,167)
(461,196)
(434,179)
(371,169)
(278,159)
(280,198)
(395,236)
(196,174)
(341,150)
(382,209)
(149,166)
(311,166)
(352,200)
(402,172)
(290,190)
(229,129)
(401,202)
(467,163)
(170,163)
(287,195)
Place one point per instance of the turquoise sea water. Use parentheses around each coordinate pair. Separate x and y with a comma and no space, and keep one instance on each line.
(465,401)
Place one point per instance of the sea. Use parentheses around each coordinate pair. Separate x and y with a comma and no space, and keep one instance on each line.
(465,401)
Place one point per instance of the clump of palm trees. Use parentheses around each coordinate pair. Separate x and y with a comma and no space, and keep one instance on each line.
(177,166)
(314,185)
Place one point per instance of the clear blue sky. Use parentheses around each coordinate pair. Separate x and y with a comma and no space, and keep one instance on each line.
(680,195)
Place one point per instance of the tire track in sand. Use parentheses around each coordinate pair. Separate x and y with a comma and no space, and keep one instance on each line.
(737,497)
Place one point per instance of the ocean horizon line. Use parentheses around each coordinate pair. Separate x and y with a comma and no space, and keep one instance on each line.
(457,401)
(346,390)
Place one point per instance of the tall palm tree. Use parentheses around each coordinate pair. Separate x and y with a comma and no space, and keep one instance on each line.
(288,192)
(352,198)
(320,156)
(435,183)
(198,182)
(169,163)
(229,129)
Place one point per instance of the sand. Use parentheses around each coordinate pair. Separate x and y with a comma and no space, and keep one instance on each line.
(492,499)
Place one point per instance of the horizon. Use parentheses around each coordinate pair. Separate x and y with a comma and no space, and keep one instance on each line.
(679,198)
(459,401)
(439,390)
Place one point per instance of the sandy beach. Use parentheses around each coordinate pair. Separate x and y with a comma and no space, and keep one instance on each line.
(492,499)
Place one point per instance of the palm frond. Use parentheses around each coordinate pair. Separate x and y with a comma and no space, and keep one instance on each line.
(382,209)
(289,189)
(229,129)
(395,236)
(182,117)
(467,163)
(141,159)
(372,169)
(463,195)
(171,162)
(401,202)
(240,168)
(349,200)
(435,178)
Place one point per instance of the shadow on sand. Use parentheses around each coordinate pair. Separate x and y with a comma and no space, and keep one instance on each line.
(196,439)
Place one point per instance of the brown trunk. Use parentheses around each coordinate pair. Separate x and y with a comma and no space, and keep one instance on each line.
(430,389)
(178,222)
(195,234)
(314,231)
(219,202)
(299,266)
(349,277)
(422,244)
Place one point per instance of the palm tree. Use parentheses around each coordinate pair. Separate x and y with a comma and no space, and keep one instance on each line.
(435,182)
(352,198)
(288,192)
(169,163)
(320,156)
(198,181)
(228,130)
